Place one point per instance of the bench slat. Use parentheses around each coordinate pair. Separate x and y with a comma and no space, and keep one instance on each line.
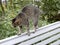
(49,40)
(36,39)
(56,43)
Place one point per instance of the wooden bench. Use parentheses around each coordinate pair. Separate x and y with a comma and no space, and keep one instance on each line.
(46,35)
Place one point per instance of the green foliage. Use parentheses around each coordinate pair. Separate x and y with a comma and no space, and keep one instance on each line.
(50,8)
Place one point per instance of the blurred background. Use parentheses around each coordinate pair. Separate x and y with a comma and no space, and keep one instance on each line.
(10,8)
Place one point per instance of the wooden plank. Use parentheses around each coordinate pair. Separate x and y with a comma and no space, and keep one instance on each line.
(36,39)
(56,43)
(58,22)
(49,40)
(16,39)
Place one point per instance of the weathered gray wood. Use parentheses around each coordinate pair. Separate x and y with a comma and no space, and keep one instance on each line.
(36,39)
(56,43)
(49,40)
